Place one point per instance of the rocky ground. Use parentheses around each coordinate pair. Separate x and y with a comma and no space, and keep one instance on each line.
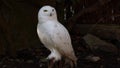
(92,49)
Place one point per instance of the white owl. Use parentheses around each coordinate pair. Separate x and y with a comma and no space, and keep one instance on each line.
(54,36)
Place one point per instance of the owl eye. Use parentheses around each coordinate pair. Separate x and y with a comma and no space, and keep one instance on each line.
(52,9)
(45,10)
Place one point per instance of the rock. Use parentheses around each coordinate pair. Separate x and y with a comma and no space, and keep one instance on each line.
(30,61)
(118,59)
(93,58)
(96,43)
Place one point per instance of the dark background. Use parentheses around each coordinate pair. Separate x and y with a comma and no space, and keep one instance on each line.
(99,18)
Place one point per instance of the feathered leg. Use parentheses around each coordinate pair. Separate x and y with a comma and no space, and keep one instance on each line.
(70,64)
(51,63)
(60,64)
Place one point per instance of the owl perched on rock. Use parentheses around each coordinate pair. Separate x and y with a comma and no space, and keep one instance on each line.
(55,36)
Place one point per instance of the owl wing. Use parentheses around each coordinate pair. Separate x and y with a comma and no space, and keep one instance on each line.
(62,41)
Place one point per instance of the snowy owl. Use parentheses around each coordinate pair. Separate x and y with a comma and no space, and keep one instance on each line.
(54,36)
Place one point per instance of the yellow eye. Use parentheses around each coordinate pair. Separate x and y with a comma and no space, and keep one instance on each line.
(45,10)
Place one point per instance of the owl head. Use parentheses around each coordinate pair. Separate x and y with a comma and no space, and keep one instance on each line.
(47,13)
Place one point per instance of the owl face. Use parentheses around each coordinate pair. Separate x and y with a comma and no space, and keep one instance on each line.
(47,12)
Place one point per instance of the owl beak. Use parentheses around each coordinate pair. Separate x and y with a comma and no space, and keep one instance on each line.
(50,14)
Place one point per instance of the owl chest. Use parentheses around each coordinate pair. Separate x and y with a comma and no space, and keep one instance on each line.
(45,31)
(49,27)
(45,34)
